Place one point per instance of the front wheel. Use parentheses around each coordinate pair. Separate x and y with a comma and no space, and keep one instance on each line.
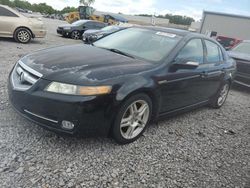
(132,119)
(22,35)
(221,96)
(75,35)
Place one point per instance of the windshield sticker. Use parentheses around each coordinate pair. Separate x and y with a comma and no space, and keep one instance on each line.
(166,34)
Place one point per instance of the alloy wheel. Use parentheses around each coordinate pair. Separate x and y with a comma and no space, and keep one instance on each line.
(75,35)
(223,95)
(23,36)
(134,119)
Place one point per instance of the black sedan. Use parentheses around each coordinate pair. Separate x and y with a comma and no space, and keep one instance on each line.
(241,53)
(92,35)
(121,82)
(76,29)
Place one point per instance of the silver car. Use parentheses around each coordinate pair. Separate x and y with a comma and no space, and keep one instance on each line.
(15,25)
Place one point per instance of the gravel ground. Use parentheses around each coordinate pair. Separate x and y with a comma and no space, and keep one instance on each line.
(202,148)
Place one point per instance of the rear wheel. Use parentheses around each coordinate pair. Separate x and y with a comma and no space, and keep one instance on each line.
(132,119)
(221,96)
(75,35)
(22,35)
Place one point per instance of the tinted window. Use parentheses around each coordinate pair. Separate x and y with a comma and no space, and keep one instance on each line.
(221,55)
(5,12)
(213,54)
(100,25)
(89,24)
(192,51)
(94,25)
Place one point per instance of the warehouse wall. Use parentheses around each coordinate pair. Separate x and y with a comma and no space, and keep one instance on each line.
(235,27)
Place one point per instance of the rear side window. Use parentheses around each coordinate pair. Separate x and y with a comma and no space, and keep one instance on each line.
(6,12)
(192,51)
(89,25)
(100,25)
(221,54)
(213,52)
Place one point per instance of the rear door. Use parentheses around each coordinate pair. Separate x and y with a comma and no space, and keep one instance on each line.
(8,20)
(214,68)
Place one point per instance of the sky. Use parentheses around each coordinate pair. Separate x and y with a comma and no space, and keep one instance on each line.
(193,8)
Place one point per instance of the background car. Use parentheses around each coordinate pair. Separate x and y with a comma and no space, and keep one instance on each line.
(228,42)
(76,29)
(121,82)
(21,28)
(241,53)
(92,35)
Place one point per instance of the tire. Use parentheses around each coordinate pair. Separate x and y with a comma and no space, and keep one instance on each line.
(75,35)
(22,35)
(134,120)
(221,95)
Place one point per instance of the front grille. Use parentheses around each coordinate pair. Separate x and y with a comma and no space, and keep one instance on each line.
(23,77)
(243,66)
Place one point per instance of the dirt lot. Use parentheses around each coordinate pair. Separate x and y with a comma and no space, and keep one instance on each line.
(203,148)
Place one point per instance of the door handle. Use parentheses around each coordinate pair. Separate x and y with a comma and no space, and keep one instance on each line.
(204,74)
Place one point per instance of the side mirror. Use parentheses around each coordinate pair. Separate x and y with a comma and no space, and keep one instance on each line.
(185,64)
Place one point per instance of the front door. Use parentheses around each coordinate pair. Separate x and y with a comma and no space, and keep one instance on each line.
(7,22)
(184,87)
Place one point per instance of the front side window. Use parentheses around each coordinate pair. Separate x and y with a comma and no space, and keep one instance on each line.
(243,47)
(6,12)
(192,51)
(142,43)
(213,54)
(79,22)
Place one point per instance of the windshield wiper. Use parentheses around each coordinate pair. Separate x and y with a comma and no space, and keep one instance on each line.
(119,52)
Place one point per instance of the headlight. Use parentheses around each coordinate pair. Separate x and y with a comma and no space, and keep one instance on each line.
(70,89)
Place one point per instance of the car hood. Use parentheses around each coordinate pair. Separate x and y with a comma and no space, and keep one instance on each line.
(92,31)
(238,55)
(83,64)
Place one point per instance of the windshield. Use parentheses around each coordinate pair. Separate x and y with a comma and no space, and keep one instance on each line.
(243,47)
(147,44)
(79,22)
(110,28)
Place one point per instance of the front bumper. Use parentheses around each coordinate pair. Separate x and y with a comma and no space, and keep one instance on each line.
(63,32)
(242,79)
(39,33)
(89,113)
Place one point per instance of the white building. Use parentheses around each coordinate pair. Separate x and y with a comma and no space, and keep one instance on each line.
(228,25)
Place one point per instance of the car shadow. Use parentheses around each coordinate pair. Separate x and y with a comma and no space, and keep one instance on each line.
(240,88)
(32,41)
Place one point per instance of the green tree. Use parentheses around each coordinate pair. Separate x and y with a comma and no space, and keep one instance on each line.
(68,9)
(86,2)
(7,2)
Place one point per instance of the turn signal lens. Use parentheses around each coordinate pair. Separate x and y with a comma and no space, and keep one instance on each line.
(95,90)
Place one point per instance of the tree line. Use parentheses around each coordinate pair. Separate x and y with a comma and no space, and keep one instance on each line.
(46,9)
(175,19)
(41,7)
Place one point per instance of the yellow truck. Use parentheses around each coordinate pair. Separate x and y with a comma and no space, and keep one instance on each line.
(87,12)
